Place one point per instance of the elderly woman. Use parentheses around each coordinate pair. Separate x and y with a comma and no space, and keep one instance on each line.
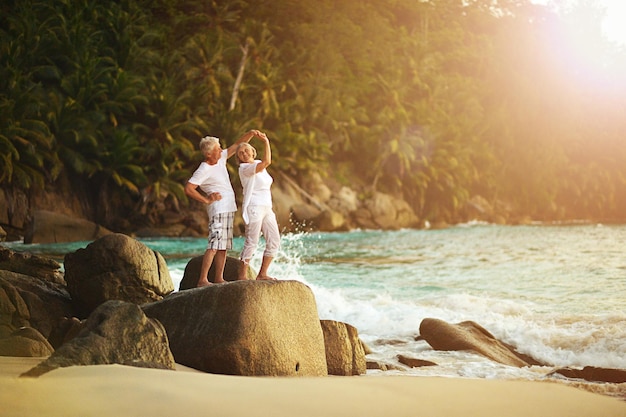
(217,193)
(257,212)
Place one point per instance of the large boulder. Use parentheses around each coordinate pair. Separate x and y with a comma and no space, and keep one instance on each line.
(50,227)
(304,214)
(330,221)
(252,328)
(470,336)
(116,332)
(345,201)
(25,342)
(344,351)
(231,271)
(388,212)
(284,197)
(27,301)
(116,267)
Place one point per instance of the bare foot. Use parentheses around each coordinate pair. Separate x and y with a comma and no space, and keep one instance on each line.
(203,283)
(265,278)
(221,281)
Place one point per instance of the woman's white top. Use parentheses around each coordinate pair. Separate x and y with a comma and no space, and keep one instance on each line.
(256,187)
(215,179)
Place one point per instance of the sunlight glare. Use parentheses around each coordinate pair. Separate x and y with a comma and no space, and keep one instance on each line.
(614,24)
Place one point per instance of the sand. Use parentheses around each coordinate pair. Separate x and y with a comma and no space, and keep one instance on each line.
(116,390)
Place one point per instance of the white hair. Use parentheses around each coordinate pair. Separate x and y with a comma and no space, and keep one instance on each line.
(208,143)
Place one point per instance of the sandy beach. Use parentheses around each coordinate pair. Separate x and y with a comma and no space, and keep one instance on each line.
(116,390)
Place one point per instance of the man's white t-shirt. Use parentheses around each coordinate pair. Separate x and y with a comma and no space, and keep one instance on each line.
(215,179)
(256,187)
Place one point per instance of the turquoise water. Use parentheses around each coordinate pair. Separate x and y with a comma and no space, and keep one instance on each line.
(558,293)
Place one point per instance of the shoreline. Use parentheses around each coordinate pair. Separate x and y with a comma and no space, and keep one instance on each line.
(107,390)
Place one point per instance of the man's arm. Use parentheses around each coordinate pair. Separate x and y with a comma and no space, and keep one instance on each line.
(191,190)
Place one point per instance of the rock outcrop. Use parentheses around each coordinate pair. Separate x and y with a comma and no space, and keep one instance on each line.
(50,227)
(25,342)
(115,267)
(252,328)
(344,351)
(116,332)
(27,301)
(26,263)
(471,337)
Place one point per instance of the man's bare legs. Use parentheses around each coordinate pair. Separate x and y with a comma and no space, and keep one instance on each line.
(265,264)
(220,263)
(210,256)
(207,260)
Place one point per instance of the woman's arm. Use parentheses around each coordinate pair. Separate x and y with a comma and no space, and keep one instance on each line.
(267,156)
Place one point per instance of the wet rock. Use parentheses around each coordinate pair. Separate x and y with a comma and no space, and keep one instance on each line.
(414,362)
(594,374)
(471,337)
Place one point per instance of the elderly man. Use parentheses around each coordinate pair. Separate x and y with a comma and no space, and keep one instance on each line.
(213,179)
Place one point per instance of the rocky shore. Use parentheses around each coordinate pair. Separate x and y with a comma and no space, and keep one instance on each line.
(115,305)
(315,204)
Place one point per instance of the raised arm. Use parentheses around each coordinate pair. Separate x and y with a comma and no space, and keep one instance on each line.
(244,138)
(267,156)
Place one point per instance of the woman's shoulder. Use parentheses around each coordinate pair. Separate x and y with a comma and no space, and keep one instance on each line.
(247,164)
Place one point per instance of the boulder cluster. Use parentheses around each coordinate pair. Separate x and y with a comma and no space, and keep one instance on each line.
(114,303)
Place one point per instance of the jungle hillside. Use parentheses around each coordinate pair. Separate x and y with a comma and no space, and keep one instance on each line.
(436,102)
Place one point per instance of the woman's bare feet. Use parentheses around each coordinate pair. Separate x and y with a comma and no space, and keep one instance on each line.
(265,278)
(203,283)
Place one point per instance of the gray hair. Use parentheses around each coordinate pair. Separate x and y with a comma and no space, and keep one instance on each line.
(246,145)
(208,143)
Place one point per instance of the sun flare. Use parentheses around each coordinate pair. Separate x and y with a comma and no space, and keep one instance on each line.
(614,24)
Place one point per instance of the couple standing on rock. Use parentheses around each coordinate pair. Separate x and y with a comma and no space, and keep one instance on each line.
(213,179)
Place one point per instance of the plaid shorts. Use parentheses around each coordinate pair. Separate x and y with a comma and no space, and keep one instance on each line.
(221,231)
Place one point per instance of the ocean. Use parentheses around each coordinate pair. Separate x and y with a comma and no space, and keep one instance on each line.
(555,292)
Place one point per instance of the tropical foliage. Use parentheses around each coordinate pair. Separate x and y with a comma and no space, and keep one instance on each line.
(436,101)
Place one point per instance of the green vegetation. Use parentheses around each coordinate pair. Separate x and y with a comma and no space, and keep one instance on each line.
(434,101)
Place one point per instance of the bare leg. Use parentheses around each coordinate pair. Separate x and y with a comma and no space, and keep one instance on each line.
(207,260)
(243,270)
(265,264)
(220,263)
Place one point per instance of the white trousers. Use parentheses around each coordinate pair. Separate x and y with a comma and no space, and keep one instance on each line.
(262,220)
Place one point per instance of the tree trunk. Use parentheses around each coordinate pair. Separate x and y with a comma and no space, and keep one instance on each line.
(242,67)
